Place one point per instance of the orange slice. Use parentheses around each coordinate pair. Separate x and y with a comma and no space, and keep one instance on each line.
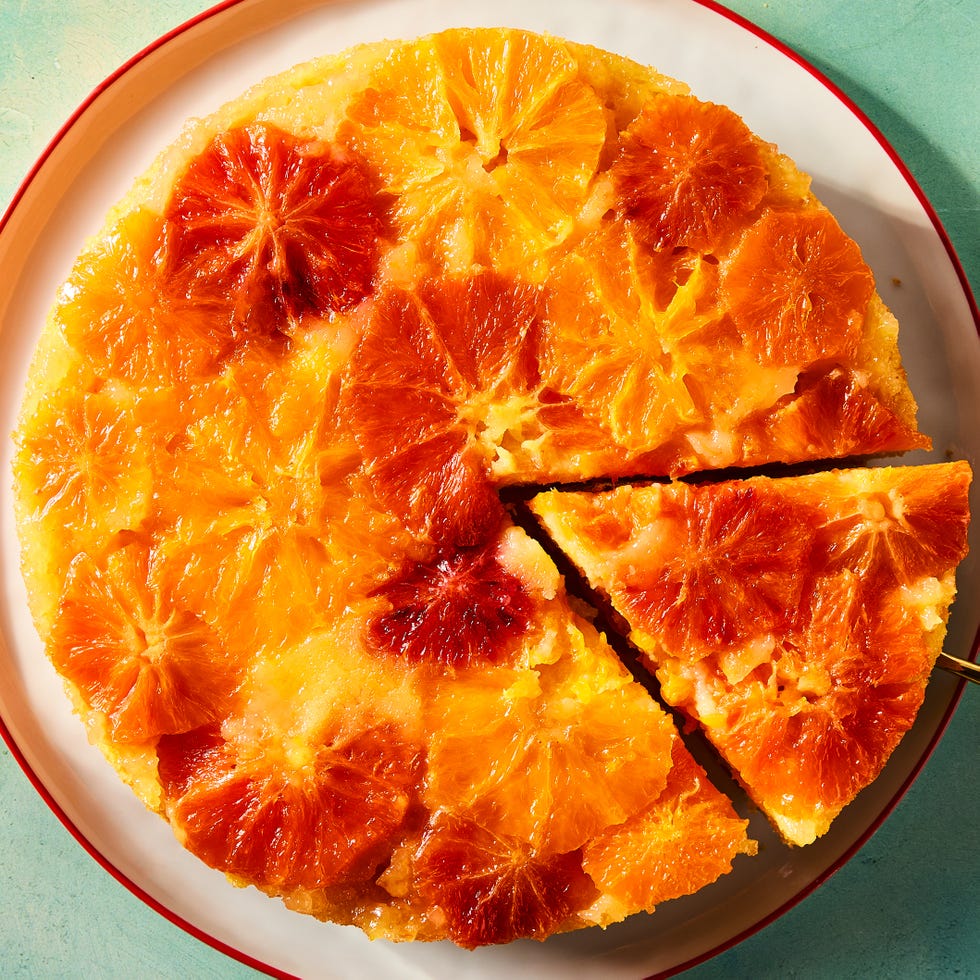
(491,889)
(520,757)
(491,151)
(798,288)
(126,327)
(280,822)
(688,836)
(284,227)
(82,466)
(689,173)
(458,612)
(433,373)
(149,666)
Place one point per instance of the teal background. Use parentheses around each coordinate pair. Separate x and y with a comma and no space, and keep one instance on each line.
(908,905)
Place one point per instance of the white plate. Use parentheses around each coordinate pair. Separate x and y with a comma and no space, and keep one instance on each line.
(115,136)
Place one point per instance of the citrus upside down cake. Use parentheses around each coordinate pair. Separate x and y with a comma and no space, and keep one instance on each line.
(259,471)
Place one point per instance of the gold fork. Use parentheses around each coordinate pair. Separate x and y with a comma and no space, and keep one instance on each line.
(962,668)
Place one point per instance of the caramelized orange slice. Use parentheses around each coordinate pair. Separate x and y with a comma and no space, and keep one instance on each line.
(83,466)
(309,821)
(835,413)
(491,149)
(458,612)
(510,757)
(150,667)
(688,837)
(492,889)
(688,174)
(432,376)
(798,288)
(283,227)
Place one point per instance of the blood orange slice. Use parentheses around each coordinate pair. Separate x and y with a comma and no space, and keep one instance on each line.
(835,413)
(326,816)
(798,288)
(457,612)
(492,889)
(440,378)
(286,227)
(894,533)
(688,174)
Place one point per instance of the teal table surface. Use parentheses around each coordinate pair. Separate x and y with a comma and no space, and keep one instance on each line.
(908,904)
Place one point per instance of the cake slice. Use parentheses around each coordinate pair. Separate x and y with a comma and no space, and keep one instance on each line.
(796,619)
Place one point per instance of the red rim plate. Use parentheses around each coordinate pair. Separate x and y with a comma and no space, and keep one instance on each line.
(209,19)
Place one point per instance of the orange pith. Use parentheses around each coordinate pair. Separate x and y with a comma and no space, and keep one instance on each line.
(260,471)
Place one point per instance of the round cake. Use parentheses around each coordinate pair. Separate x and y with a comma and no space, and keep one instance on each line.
(279,425)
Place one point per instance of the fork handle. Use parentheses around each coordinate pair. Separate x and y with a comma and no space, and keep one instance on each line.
(962,668)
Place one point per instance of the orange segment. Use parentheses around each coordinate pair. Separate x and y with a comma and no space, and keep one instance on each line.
(688,173)
(798,288)
(151,667)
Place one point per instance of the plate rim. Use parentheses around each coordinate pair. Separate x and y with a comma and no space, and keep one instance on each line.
(781,47)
